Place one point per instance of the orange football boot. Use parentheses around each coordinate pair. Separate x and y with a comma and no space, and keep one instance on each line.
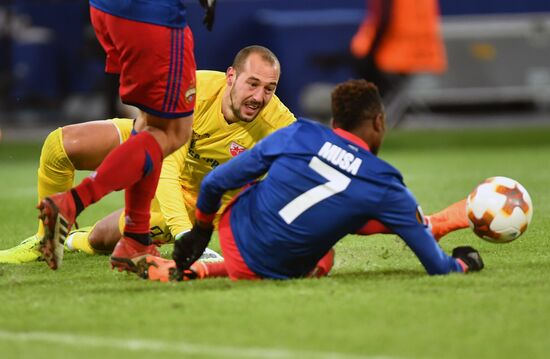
(164,270)
(129,252)
(448,220)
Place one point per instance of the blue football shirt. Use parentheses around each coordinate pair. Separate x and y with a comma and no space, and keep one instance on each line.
(319,187)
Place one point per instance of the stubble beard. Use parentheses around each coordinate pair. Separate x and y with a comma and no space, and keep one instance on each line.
(237,113)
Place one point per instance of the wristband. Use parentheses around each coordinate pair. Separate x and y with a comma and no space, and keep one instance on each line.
(204,217)
(462,264)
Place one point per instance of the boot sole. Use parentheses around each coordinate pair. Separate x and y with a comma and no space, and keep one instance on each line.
(56,229)
(127,264)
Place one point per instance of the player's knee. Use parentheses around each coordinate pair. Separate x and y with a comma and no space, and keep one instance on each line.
(103,237)
(51,152)
(71,142)
(52,139)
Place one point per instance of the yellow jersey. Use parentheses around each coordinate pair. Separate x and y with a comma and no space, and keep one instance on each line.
(213,142)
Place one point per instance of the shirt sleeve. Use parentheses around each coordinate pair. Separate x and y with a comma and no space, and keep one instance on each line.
(170,194)
(277,114)
(241,170)
(400,212)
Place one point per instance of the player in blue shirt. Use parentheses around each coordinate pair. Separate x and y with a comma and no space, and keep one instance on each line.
(321,185)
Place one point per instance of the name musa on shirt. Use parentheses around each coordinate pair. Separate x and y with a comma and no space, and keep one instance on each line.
(340,158)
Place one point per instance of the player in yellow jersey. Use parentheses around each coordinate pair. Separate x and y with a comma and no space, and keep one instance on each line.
(232,112)
(74,147)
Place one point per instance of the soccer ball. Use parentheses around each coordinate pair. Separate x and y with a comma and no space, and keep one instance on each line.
(499,210)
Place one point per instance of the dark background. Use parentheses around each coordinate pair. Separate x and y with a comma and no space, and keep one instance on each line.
(51,65)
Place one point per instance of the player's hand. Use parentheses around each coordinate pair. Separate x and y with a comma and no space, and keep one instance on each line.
(190,247)
(209,11)
(470,257)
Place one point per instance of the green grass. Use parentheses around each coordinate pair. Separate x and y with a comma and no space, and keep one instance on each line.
(378,302)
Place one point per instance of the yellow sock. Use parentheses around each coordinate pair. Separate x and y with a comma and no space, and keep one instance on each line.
(55,172)
(78,240)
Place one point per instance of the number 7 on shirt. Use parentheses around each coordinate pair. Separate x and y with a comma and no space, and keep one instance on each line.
(337,182)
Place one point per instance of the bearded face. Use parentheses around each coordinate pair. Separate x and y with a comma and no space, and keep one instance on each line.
(246,108)
(252,87)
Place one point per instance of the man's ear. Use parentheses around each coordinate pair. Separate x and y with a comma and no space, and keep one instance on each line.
(379,123)
(230,76)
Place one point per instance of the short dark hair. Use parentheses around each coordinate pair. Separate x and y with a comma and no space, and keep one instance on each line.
(264,52)
(355,101)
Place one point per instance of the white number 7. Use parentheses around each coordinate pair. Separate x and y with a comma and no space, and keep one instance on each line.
(337,182)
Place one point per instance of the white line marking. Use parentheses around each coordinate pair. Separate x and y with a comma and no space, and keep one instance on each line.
(172,347)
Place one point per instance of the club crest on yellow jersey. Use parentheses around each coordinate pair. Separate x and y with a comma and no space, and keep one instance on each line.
(235,149)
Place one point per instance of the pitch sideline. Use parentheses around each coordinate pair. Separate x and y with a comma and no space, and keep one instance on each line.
(171,347)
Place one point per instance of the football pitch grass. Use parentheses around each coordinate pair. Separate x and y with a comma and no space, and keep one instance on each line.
(377,303)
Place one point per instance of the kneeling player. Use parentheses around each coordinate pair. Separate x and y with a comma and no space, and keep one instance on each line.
(75,147)
(233,111)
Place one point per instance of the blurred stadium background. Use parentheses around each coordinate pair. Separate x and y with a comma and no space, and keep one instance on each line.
(51,65)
